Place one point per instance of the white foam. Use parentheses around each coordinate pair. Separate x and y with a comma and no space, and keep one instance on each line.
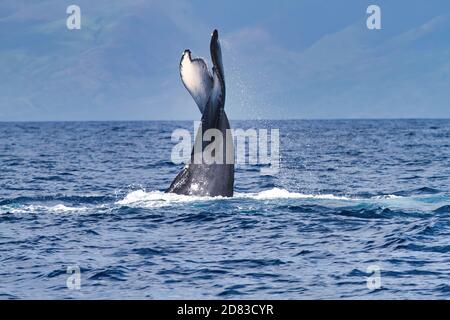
(24,209)
(386,197)
(141,198)
(155,199)
(62,208)
(277,193)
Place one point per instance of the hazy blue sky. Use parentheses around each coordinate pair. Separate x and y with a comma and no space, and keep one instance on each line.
(283,59)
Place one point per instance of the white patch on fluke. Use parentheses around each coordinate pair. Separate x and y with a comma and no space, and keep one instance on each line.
(196,78)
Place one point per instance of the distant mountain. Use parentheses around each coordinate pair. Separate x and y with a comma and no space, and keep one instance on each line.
(123,64)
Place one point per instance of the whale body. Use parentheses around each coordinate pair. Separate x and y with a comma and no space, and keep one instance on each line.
(208,91)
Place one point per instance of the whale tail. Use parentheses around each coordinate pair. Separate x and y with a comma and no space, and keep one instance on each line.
(208,91)
(206,88)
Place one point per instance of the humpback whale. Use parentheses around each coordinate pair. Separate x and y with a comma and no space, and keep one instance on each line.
(208,91)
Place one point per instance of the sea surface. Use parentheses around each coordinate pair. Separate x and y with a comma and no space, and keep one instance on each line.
(351,197)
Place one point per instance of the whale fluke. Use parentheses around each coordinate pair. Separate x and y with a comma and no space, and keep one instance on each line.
(208,91)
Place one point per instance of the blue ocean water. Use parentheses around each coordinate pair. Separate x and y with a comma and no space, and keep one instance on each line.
(349,195)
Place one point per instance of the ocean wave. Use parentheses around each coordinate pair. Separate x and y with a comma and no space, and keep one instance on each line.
(142,198)
(159,198)
(156,199)
(25,209)
(277,193)
(73,199)
(273,193)
(420,203)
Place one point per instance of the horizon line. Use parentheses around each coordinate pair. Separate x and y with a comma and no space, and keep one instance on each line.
(190,120)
